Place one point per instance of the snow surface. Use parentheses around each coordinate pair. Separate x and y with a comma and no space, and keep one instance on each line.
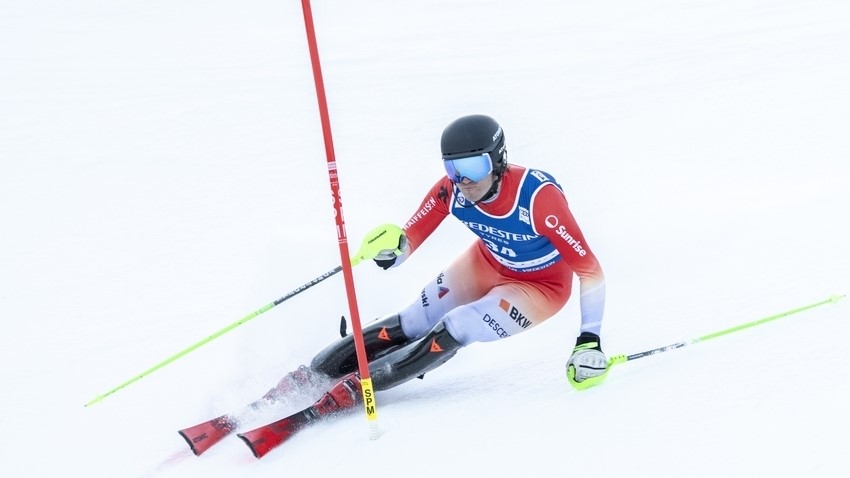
(163,175)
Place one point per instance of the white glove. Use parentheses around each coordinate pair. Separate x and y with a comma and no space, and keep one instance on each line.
(385,258)
(587,365)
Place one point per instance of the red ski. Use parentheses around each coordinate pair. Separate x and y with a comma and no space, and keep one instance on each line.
(204,435)
(342,396)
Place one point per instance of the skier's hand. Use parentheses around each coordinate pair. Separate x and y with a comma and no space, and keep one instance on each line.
(383,244)
(387,257)
(587,365)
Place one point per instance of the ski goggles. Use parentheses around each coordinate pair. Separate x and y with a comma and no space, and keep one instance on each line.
(475,168)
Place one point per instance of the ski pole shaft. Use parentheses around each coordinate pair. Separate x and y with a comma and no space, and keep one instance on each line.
(217,334)
(618,359)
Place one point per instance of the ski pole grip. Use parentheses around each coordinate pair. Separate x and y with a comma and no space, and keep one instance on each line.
(384,237)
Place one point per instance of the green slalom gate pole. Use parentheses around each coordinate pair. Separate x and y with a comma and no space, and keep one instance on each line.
(215,335)
(619,359)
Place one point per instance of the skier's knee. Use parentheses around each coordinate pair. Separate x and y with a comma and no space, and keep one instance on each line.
(379,337)
(415,359)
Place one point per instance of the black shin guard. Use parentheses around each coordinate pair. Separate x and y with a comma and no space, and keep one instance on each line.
(414,359)
(380,337)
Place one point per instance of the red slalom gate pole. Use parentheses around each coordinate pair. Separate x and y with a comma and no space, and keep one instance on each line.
(345,257)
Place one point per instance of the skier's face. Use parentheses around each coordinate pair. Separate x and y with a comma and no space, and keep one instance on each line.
(475,190)
(472,174)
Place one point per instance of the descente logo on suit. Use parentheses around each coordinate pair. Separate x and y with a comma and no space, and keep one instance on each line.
(552,223)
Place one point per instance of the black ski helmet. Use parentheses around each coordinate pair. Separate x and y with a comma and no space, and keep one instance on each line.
(476,134)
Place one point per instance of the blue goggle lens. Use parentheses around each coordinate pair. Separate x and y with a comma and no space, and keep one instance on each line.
(474,168)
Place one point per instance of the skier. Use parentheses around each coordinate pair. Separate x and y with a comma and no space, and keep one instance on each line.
(517,274)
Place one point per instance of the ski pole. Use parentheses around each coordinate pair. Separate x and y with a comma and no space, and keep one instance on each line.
(217,334)
(618,359)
